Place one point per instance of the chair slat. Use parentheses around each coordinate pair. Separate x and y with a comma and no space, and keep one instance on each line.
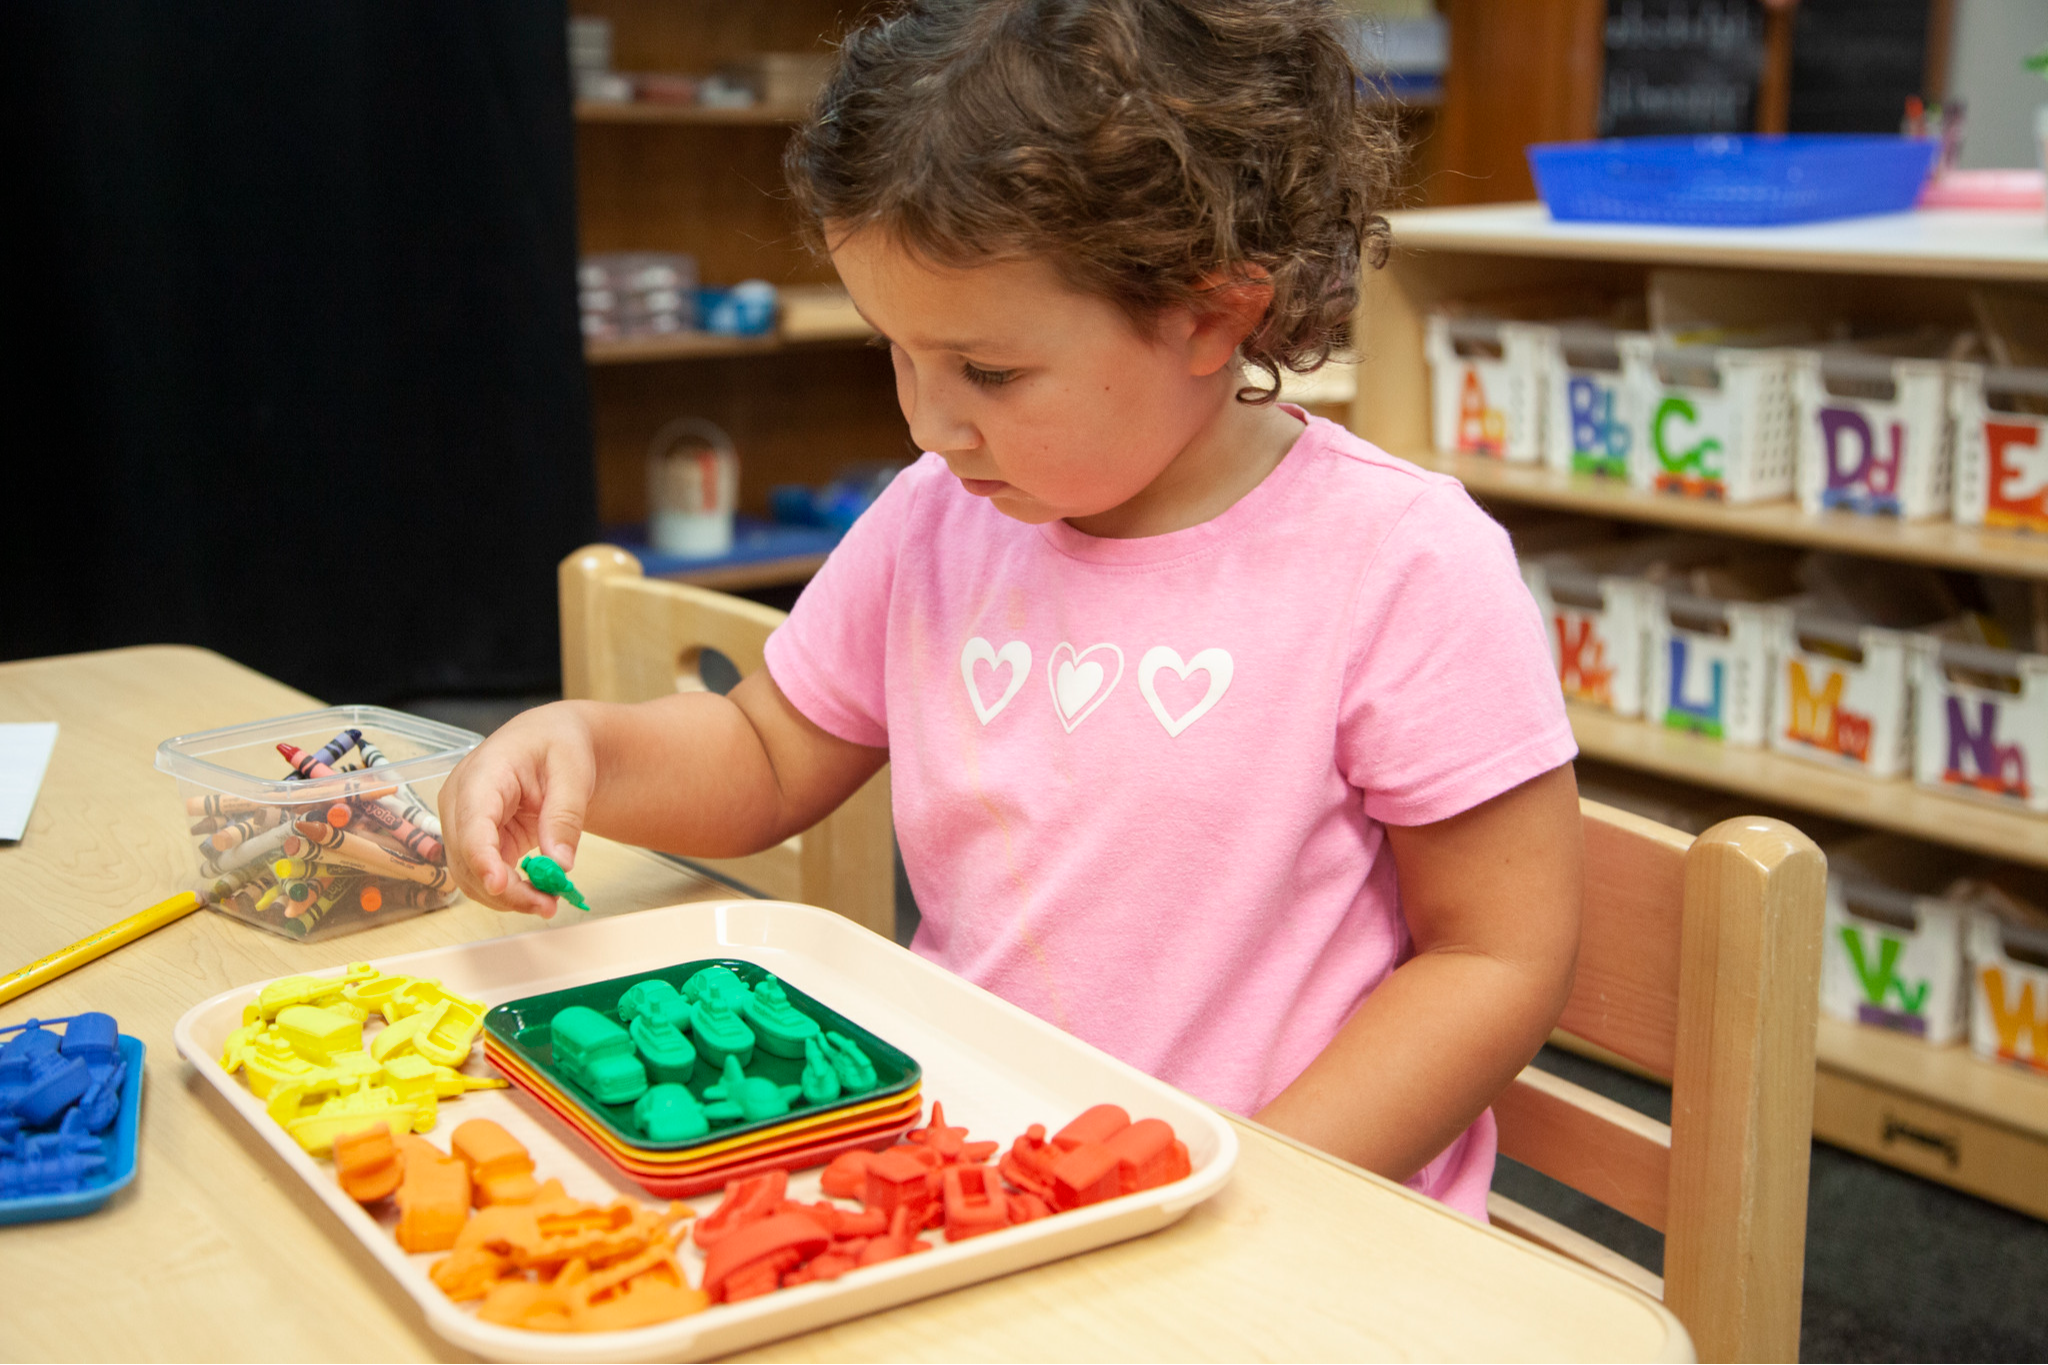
(1532,1226)
(1625,997)
(1591,1143)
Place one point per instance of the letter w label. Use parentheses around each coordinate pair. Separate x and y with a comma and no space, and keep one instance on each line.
(2024,1018)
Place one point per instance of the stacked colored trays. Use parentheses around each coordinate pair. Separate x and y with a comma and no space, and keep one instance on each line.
(652,1072)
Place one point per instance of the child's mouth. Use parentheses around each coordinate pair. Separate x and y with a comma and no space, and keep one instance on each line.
(982,488)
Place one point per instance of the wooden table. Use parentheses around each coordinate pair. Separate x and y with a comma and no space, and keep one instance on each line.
(217,1252)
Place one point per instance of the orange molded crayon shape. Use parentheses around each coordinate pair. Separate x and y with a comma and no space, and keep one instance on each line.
(433,1198)
(897,1241)
(847,1176)
(500,1170)
(974,1203)
(897,1180)
(746,1201)
(770,1240)
(1099,1124)
(1148,1155)
(1028,1164)
(950,1144)
(648,1289)
(367,1163)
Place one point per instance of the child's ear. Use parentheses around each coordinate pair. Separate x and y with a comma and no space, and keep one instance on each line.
(1230,309)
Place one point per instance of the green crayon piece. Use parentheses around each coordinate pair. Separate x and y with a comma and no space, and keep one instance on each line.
(548,878)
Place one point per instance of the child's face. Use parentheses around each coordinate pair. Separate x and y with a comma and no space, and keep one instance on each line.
(1046,401)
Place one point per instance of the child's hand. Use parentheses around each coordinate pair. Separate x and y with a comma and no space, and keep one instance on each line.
(525,787)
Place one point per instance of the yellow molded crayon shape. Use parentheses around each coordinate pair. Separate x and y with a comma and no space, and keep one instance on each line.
(448,1038)
(403,1036)
(287,991)
(318,1034)
(373,990)
(413,1076)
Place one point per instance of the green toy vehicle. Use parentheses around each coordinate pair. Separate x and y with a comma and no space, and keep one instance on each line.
(597,1055)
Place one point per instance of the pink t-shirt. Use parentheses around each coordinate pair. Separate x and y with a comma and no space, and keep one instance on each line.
(1140,785)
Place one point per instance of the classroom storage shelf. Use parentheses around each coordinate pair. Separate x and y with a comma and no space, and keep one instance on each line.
(1894,804)
(1937,544)
(753,116)
(1939,1112)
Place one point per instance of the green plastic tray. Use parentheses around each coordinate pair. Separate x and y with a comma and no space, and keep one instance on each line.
(521,1027)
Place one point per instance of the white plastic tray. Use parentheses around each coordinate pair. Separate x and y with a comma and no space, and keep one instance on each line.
(996,1069)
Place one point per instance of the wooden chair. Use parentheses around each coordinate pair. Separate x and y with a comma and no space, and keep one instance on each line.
(1699,961)
(626,637)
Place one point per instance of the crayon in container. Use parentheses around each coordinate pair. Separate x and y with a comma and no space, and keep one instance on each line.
(319,824)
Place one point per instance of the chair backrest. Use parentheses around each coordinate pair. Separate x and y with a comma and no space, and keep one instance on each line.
(626,637)
(1699,961)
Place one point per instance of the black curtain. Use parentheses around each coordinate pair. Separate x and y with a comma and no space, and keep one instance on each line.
(290,297)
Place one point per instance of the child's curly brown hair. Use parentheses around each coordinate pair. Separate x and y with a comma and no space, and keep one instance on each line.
(1152,150)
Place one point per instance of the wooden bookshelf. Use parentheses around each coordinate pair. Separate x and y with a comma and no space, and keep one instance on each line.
(1938,544)
(753,116)
(1896,805)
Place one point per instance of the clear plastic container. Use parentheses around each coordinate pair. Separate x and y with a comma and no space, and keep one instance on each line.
(354,844)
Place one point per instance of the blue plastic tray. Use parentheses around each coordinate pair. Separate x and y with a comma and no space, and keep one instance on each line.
(119,1144)
(1730,181)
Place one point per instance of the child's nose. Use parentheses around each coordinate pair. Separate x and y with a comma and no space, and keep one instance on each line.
(937,421)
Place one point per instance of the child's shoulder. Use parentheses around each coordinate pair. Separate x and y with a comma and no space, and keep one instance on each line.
(1353,486)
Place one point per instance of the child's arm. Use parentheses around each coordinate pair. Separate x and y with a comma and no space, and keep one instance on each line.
(1492,901)
(695,773)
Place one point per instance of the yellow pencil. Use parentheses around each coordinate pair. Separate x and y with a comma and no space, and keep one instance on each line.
(49,968)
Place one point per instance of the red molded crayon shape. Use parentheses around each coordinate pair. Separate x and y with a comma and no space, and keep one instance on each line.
(1028,1164)
(828,1265)
(1027,1208)
(1099,1124)
(974,1203)
(1086,1175)
(847,1176)
(1148,1155)
(950,1144)
(746,1201)
(367,1163)
(786,1238)
(897,1180)
(896,1242)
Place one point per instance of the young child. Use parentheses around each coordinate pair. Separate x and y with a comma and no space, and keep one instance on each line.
(1220,738)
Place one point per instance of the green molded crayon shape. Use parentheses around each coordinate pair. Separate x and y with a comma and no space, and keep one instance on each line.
(716,983)
(753,1098)
(655,1000)
(663,1047)
(820,1081)
(670,1113)
(548,878)
(597,1055)
(856,1072)
(781,1027)
(721,1034)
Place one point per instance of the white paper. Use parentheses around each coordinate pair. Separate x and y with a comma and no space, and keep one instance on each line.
(24,754)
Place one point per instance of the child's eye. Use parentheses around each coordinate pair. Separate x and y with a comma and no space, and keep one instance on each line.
(985,379)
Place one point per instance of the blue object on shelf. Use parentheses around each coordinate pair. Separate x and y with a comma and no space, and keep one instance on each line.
(836,505)
(747,309)
(754,541)
(1731,181)
(116,1145)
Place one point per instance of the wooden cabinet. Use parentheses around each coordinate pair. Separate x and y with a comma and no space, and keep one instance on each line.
(709,182)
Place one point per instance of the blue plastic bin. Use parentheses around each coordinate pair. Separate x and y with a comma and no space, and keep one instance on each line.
(1730,181)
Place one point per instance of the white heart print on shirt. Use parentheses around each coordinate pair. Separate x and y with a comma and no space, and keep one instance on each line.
(1016,654)
(1077,681)
(1215,662)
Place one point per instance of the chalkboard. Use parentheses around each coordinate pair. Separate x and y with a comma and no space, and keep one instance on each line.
(1854,62)
(1681,66)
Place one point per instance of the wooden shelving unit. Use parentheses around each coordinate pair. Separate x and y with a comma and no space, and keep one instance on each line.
(1897,805)
(1940,1112)
(1938,544)
(801,405)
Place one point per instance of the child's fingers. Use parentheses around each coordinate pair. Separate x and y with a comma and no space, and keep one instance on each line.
(563,804)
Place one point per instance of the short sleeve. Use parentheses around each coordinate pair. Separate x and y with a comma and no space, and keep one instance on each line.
(828,657)
(1450,698)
